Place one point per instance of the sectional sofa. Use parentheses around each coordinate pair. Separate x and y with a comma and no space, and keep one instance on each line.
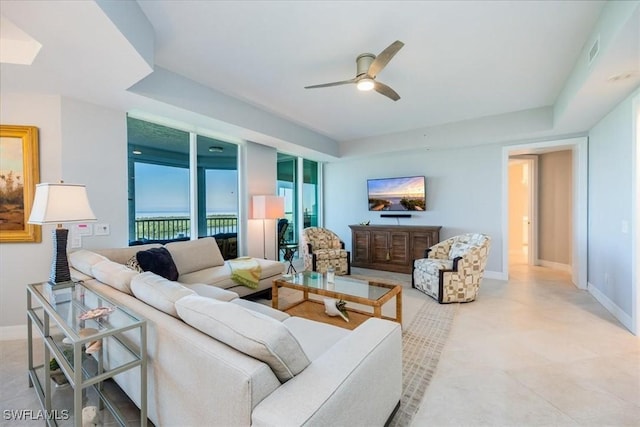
(218,360)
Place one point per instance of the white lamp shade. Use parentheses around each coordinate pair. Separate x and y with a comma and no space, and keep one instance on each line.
(268,207)
(57,203)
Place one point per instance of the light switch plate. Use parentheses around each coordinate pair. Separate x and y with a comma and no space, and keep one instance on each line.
(101,229)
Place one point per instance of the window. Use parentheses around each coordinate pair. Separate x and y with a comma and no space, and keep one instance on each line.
(161,173)
(298,183)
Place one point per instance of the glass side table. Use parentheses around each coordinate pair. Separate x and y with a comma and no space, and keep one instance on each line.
(91,339)
(288,253)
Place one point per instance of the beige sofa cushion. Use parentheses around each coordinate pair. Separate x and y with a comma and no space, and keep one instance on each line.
(116,275)
(122,255)
(83,260)
(195,255)
(211,291)
(221,276)
(159,292)
(247,331)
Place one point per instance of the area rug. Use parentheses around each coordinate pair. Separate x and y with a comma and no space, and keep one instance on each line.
(422,344)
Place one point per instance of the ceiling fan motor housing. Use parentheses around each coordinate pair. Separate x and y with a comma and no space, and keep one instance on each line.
(363,62)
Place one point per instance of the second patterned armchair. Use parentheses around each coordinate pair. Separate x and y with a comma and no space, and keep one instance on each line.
(452,269)
(322,248)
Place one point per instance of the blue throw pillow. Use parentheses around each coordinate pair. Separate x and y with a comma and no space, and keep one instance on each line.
(158,261)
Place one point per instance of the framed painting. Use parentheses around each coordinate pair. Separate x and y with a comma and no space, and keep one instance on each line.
(19,174)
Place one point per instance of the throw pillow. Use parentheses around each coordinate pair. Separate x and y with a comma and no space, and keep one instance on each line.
(458,249)
(134,264)
(158,261)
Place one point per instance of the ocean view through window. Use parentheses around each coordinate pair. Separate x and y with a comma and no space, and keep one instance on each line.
(160,188)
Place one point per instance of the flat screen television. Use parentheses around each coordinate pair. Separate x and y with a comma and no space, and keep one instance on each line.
(397,194)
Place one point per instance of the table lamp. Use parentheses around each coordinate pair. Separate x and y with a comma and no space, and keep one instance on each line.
(267,207)
(58,203)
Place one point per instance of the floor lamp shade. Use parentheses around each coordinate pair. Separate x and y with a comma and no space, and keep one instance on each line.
(55,204)
(267,207)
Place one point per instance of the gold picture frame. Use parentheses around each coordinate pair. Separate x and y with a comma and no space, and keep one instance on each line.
(19,174)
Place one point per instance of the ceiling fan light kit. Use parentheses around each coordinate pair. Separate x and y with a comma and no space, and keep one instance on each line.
(367,68)
(365,84)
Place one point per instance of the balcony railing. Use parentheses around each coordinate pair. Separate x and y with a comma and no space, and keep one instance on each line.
(180,227)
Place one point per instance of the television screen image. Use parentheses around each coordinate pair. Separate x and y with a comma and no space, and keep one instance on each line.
(397,194)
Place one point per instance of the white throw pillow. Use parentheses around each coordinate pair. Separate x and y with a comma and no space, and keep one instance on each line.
(249,332)
(83,260)
(159,292)
(116,275)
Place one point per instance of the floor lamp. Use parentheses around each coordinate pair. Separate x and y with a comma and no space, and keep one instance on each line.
(58,203)
(267,207)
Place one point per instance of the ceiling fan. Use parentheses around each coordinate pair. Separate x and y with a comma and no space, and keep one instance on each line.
(368,67)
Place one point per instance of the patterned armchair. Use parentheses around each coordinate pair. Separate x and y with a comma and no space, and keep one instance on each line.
(322,248)
(452,270)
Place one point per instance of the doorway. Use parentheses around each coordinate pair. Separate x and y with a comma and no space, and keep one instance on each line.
(577,252)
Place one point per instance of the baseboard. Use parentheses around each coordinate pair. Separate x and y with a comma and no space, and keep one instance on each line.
(498,275)
(555,265)
(11,333)
(617,312)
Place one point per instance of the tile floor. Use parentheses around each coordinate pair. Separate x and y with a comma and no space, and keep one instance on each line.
(535,351)
(532,351)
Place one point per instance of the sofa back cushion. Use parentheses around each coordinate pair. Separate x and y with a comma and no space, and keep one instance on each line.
(249,332)
(83,260)
(122,255)
(159,292)
(195,255)
(115,275)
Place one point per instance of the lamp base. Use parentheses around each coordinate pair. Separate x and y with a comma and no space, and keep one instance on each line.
(60,274)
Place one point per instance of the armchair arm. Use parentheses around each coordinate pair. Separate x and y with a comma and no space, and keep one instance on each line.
(344,381)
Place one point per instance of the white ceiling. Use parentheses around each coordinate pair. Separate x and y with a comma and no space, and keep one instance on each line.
(461,60)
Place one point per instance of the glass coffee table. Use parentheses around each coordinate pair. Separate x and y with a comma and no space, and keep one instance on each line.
(359,293)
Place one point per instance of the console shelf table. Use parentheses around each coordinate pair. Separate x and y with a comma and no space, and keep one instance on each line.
(66,320)
(391,247)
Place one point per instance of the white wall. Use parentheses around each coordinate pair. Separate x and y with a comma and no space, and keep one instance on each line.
(610,210)
(463,192)
(79,143)
(94,153)
(261,179)
(23,263)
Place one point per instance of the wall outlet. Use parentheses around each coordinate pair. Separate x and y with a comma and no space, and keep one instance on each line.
(101,229)
(76,241)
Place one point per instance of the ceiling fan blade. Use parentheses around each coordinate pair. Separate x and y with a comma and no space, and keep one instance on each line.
(383,59)
(344,82)
(386,91)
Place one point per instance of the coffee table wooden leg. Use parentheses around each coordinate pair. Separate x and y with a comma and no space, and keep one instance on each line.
(274,296)
(377,311)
